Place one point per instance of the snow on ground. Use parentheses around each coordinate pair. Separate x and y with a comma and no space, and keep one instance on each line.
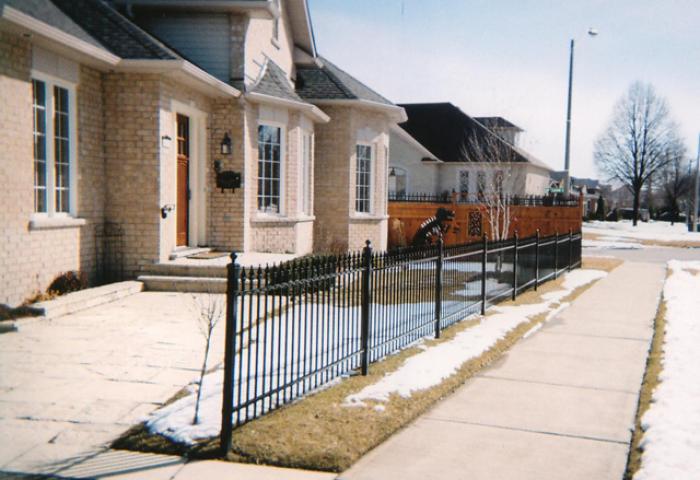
(660,231)
(436,363)
(175,420)
(671,442)
(608,243)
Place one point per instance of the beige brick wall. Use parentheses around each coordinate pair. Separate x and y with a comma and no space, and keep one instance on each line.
(31,259)
(338,226)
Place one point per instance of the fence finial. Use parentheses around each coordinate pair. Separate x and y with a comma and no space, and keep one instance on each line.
(234,257)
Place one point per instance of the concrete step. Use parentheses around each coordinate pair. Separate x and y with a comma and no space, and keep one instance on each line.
(84,299)
(175,283)
(171,269)
(187,251)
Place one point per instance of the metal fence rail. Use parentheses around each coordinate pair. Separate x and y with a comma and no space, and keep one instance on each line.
(295,327)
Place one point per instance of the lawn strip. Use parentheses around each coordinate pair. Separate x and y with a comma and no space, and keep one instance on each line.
(319,433)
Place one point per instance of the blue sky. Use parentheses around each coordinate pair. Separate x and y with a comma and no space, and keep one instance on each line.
(510,58)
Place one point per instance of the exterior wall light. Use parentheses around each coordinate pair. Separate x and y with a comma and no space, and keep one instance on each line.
(226,145)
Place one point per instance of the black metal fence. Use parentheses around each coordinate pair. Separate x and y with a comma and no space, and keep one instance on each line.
(293,328)
(557,200)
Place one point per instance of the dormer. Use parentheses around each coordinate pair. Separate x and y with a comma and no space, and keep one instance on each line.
(231,39)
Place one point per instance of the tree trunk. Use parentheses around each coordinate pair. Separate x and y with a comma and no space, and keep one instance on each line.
(635,206)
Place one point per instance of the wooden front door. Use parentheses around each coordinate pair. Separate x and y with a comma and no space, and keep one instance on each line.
(183,179)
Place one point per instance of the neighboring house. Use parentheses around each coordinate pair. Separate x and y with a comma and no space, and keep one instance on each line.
(590,188)
(436,152)
(141,111)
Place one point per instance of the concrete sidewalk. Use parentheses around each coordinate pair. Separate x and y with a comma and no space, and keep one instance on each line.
(560,404)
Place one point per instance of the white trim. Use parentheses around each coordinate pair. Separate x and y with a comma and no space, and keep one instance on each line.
(311,110)
(396,113)
(53,223)
(197,234)
(405,136)
(260,215)
(183,71)
(372,178)
(51,81)
(55,36)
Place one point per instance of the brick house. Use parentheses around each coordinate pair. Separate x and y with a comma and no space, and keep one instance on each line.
(440,150)
(122,119)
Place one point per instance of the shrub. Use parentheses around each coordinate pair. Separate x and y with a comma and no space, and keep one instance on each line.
(67,282)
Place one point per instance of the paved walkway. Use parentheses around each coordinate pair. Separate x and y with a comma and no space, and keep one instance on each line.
(69,386)
(559,405)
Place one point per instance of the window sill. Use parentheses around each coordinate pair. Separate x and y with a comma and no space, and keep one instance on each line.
(367,217)
(54,223)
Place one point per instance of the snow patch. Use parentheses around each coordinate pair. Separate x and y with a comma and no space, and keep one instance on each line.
(671,442)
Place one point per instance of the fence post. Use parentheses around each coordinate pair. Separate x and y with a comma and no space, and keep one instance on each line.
(438,286)
(484,258)
(233,274)
(556,254)
(515,265)
(537,258)
(570,248)
(366,301)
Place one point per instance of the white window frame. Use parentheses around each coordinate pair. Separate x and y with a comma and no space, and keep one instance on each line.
(404,171)
(304,205)
(372,164)
(49,83)
(283,169)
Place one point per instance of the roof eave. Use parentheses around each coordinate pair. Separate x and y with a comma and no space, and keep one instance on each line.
(318,115)
(209,5)
(183,71)
(396,113)
(57,40)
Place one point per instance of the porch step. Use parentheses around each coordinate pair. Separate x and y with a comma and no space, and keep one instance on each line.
(181,270)
(187,251)
(175,283)
(84,299)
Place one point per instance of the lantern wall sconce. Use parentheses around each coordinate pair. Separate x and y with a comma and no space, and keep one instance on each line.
(226,145)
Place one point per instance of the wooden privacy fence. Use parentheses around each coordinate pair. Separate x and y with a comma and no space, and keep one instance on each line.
(471,222)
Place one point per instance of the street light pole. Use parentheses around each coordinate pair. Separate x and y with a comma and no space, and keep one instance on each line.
(567,181)
(696,196)
(567,143)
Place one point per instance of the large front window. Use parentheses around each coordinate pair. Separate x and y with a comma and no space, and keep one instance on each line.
(52,147)
(269,168)
(363,178)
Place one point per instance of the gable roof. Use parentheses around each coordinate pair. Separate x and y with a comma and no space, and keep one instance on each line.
(325,81)
(454,136)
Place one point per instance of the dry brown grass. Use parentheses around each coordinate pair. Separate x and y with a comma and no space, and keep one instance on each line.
(318,433)
(648,243)
(649,384)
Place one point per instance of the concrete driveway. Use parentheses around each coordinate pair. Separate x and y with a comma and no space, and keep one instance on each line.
(71,385)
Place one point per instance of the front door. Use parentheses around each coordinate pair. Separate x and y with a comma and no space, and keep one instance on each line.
(183,180)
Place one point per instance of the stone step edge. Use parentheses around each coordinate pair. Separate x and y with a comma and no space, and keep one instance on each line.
(84,299)
(170,283)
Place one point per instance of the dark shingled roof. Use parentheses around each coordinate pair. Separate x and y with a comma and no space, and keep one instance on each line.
(96,22)
(496,122)
(331,83)
(274,82)
(451,134)
(115,32)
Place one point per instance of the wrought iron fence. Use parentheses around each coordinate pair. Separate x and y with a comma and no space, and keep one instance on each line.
(293,328)
(558,200)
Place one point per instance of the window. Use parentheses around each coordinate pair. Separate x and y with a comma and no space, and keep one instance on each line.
(481,184)
(269,168)
(498,182)
(53,143)
(363,178)
(463,184)
(305,180)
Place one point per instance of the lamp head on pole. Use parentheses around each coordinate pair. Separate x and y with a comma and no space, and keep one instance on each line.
(592,32)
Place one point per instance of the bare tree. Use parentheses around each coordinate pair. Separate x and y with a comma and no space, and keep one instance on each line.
(676,180)
(633,147)
(209,309)
(498,179)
